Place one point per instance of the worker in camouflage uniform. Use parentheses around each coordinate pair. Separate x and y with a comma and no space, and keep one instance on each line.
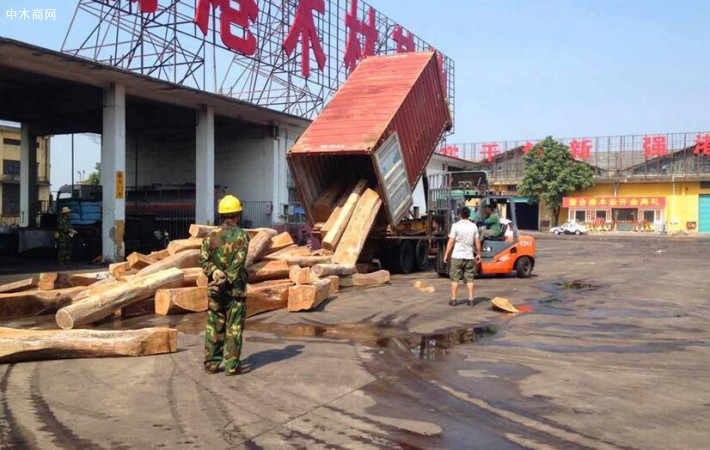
(223,257)
(63,235)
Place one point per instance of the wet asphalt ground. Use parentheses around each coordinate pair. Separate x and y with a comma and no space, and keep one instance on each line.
(613,353)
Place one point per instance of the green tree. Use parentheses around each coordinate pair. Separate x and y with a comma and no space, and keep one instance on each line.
(552,173)
(94,177)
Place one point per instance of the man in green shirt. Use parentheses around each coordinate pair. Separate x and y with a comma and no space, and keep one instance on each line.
(491,222)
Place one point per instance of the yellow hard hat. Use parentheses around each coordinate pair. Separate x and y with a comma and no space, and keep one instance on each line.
(504,304)
(229,205)
(65,210)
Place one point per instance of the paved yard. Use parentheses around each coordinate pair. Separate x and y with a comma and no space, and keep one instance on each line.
(614,354)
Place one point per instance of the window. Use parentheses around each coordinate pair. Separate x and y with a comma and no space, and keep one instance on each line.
(649,216)
(11,199)
(10,167)
(8,141)
(600,214)
(580,216)
(624,214)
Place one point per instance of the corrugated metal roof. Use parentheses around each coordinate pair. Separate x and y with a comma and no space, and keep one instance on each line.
(357,117)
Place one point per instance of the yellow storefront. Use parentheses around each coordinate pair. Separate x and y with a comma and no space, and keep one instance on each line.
(673,206)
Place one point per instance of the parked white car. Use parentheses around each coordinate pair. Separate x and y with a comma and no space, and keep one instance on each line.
(570,228)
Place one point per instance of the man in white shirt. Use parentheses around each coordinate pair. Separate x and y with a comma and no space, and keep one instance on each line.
(463,237)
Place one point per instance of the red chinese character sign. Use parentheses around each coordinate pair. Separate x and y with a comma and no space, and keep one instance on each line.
(147,6)
(304,28)
(357,27)
(581,149)
(490,151)
(702,145)
(528,146)
(654,146)
(247,13)
(450,150)
(404,39)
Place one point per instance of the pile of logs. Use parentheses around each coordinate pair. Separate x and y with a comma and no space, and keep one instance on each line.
(281,275)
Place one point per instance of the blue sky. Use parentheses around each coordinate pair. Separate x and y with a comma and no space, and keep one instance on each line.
(524,69)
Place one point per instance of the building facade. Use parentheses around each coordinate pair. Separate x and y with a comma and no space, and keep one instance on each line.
(10,181)
(658,182)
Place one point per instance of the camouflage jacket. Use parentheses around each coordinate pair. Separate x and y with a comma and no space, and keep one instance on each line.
(226,249)
(63,225)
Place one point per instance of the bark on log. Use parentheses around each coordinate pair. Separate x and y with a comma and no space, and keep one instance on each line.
(268,270)
(301,275)
(139,260)
(306,261)
(306,297)
(99,286)
(325,270)
(181,245)
(35,303)
(340,224)
(180,301)
(160,254)
(182,260)
(370,279)
(263,298)
(279,242)
(353,240)
(323,205)
(101,305)
(18,286)
(191,275)
(31,345)
(200,231)
(258,245)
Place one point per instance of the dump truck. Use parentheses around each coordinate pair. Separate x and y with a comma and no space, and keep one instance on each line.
(381,128)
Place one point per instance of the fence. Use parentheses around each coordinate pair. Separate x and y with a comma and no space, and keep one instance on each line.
(257,214)
(612,157)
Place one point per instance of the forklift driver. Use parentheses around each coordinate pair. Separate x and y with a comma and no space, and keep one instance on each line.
(491,221)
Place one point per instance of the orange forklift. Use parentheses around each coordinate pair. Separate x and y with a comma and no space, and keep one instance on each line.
(510,252)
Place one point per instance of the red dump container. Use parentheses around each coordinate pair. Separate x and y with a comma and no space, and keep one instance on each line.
(383,124)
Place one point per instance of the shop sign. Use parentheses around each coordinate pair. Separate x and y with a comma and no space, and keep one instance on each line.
(614,202)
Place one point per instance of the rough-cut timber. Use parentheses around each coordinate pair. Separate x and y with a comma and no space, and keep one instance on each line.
(289,252)
(334,284)
(325,270)
(306,261)
(182,300)
(139,260)
(267,270)
(324,227)
(182,260)
(35,303)
(99,286)
(358,229)
(270,283)
(118,270)
(18,286)
(301,275)
(160,254)
(103,304)
(191,274)
(200,231)
(54,280)
(305,297)
(258,245)
(181,245)
(370,279)
(323,206)
(337,228)
(279,242)
(31,345)
(266,297)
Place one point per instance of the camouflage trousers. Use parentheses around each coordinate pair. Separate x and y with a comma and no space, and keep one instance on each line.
(63,249)
(223,338)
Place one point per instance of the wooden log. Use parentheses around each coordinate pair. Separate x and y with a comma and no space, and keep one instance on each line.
(305,297)
(301,275)
(264,297)
(139,260)
(288,252)
(270,283)
(325,270)
(31,345)
(54,280)
(268,270)
(323,206)
(279,242)
(181,245)
(259,245)
(334,284)
(159,254)
(200,231)
(35,303)
(339,225)
(101,305)
(182,260)
(324,227)
(361,279)
(306,261)
(191,275)
(353,240)
(99,286)
(118,270)
(18,286)
(180,301)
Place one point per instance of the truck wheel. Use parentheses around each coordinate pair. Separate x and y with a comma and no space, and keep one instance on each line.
(421,261)
(524,267)
(441,269)
(399,258)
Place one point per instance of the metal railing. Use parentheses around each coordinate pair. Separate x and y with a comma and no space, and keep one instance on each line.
(651,156)
(257,214)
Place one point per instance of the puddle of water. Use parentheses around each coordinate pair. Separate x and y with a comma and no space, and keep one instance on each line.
(576,285)
(551,300)
(435,346)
